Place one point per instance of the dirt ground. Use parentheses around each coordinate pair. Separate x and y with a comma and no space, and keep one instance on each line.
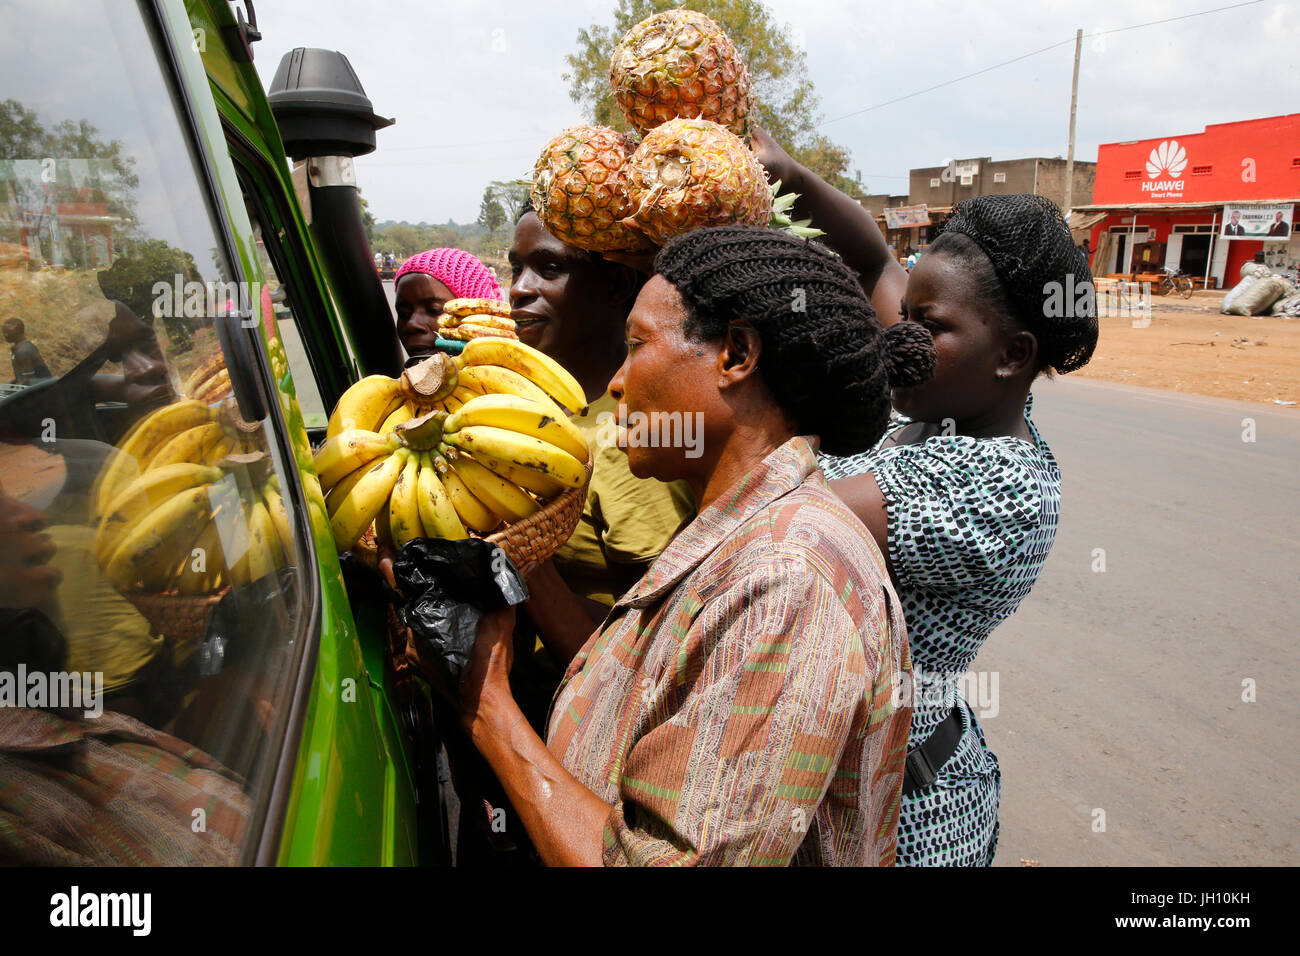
(1189,347)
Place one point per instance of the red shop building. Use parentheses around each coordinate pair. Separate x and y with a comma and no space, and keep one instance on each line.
(1205,203)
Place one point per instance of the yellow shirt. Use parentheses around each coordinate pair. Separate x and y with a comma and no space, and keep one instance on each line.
(625,522)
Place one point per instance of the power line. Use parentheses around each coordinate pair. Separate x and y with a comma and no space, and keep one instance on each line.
(995,66)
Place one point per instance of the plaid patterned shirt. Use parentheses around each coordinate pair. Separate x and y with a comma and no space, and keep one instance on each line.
(748,702)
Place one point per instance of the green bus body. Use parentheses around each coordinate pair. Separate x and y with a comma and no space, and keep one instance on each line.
(350,792)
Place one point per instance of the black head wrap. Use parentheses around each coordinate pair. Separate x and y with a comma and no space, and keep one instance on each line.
(1042,272)
(825,357)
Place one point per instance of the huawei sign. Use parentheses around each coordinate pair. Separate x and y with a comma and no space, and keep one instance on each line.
(1167,160)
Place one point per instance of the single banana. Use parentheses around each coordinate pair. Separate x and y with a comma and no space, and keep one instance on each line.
(365,405)
(505,498)
(264,545)
(404,413)
(189,445)
(150,542)
(521,415)
(464,393)
(142,495)
(348,451)
(463,307)
(404,503)
(368,497)
(542,370)
(280,518)
(452,404)
(473,513)
(223,447)
(437,514)
(544,486)
(487,320)
(524,451)
(495,380)
(343,488)
(467,331)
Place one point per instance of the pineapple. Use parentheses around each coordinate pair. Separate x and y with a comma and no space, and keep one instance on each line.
(580,191)
(680,64)
(689,173)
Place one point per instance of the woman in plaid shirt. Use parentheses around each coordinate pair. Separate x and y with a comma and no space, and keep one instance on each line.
(748,701)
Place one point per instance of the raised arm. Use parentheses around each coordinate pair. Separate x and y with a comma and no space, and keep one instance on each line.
(850,229)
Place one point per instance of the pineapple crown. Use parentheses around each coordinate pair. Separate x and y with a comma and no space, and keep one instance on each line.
(462,273)
(825,358)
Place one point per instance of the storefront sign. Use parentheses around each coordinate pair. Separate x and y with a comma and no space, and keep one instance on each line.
(1164,169)
(907,217)
(1257,222)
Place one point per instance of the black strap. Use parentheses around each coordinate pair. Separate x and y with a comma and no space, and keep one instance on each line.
(926,760)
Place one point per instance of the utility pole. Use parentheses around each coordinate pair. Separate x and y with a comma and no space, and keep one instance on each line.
(1074,103)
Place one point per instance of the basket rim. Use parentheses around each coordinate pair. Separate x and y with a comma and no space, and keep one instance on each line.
(560,502)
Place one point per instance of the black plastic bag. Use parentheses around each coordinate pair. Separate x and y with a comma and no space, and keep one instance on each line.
(449,586)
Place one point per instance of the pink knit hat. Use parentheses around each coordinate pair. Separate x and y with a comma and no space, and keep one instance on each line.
(462,273)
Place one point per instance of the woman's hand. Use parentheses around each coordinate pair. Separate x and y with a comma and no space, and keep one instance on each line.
(779,164)
(486,682)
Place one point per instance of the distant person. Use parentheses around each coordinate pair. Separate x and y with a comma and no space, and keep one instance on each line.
(426,282)
(1234,228)
(29,368)
(911,261)
(1279,227)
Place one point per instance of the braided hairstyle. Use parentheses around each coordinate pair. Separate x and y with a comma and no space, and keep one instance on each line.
(1035,264)
(825,358)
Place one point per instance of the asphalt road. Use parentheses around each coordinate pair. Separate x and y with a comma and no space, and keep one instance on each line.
(1121,727)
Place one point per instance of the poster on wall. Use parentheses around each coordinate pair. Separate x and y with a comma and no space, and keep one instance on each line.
(1257,222)
(905,217)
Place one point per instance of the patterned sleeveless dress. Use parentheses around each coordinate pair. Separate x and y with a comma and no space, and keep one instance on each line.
(970,523)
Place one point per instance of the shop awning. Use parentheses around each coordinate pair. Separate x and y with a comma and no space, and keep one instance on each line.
(1081,224)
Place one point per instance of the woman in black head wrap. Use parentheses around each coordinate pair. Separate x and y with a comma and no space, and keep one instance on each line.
(963,493)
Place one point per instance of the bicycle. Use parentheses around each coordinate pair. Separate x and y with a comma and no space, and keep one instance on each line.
(1176,280)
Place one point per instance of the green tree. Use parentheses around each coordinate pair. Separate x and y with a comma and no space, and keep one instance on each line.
(368,223)
(131,281)
(786,102)
(490,213)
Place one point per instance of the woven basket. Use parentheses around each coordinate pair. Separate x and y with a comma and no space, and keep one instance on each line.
(181,617)
(540,535)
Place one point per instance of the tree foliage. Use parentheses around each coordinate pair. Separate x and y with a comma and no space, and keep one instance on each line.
(786,102)
(490,213)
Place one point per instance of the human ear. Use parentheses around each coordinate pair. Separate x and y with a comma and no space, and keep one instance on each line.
(1019,354)
(738,358)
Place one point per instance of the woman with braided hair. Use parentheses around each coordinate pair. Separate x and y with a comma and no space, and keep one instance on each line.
(747,702)
(963,493)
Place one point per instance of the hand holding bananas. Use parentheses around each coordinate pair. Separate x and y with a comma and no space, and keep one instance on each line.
(453,446)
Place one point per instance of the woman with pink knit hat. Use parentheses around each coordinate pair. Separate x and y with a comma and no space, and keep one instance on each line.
(426,282)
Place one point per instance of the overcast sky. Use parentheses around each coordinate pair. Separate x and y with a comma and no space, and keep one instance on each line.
(477,86)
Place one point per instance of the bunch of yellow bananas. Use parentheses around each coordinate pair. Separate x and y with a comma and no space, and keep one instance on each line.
(466,319)
(456,445)
(189,504)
